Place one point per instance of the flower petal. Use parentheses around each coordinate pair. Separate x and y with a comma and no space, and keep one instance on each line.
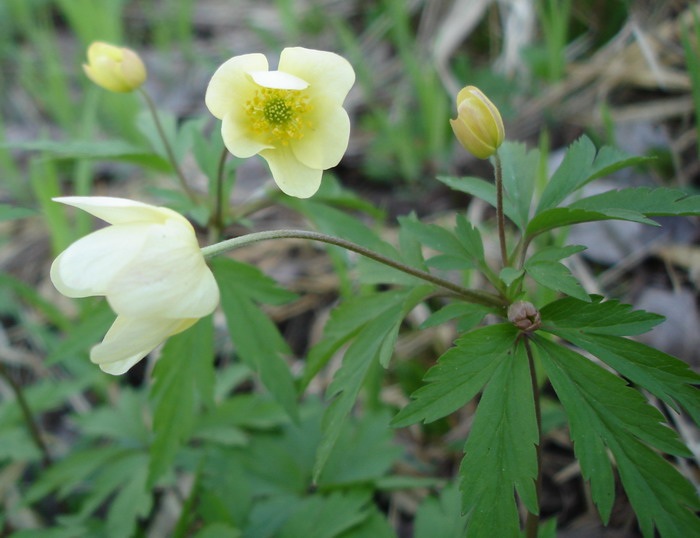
(236,134)
(278,80)
(119,210)
(326,72)
(292,176)
(130,339)
(325,142)
(230,85)
(169,278)
(88,266)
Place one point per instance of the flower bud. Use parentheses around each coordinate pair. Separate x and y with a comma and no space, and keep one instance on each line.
(116,69)
(524,316)
(478,127)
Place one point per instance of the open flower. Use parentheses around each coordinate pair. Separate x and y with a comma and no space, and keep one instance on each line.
(116,69)
(478,127)
(150,268)
(293,117)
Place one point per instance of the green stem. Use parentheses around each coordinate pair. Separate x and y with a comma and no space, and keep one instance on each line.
(166,144)
(498,170)
(473,296)
(28,416)
(217,215)
(533,520)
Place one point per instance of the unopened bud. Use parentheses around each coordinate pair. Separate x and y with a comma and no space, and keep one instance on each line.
(116,69)
(478,127)
(524,316)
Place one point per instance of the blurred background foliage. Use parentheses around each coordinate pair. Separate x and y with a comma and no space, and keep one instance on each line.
(627,73)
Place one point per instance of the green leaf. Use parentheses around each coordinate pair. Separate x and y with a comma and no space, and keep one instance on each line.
(519,168)
(582,164)
(650,202)
(434,236)
(470,238)
(459,374)
(132,501)
(256,338)
(664,376)
(597,316)
(348,380)
(555,276)
(184,369)
(82,334)
(123,421)
(566,216)
(633,204)
(68,474)
(456,310)
(500,455)
(508,275)
(376,341)
(552,254)
(112,150)
(345,323)
(218,530)
(376,526)
(327,517)
(481,189)
(8,212)
(441,516)
(604,412)
(362,454)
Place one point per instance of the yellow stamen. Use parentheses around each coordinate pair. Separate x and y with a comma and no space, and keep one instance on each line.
(278,115)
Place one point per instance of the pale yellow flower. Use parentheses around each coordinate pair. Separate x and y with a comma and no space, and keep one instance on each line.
(478,127)
(116,69)
(293,117)
(151,270)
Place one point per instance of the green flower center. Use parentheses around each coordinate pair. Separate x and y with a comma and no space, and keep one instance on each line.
(278,116)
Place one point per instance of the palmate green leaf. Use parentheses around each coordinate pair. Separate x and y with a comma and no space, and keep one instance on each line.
(184,370)
(68,474)
(555,276)
(132,501)
(481,189)
(581,164)
(256,338)
(82,333)
(375,525)
(456,310)
(664,376)
(327,516)
(435,237)
(363,454)
(519,168)
(604,412)
(597,316)
(345,323)
(375,341)
(650,202)
(500,456)
(123,420)
(441,516)
(552,254)
(566,216)
(459,374)
(348,380)
(633,204)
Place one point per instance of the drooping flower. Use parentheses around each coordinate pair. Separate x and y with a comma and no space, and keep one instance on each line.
(116,69)
(151,270)
(478,127)
(292,117)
